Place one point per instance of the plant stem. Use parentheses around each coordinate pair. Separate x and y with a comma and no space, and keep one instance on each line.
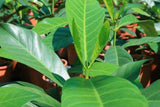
(86,74)
(114,39)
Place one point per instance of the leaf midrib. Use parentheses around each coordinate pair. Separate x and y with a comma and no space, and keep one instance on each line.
(96,94)
(84,32)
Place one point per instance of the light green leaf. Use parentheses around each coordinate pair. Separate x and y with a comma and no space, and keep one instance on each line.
(27,47)
(130,70)
(148,26)
(15,96)
(101,41)
(50,25)
(128,19)
(134,42)
(154,47)
(88,17)
(101,91)
(140,11)
(43,100)
(118,56)
(109,5)
(152,94)
(102,68)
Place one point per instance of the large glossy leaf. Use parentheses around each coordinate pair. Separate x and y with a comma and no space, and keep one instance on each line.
(102,68)
(42,99)
(50,25)
(134,42)
(26,46)
(110,8)
(152,94)
(128,19)
(130,70)
(15,96)
(88,17)
(148,26)
(117,55)
(101,91)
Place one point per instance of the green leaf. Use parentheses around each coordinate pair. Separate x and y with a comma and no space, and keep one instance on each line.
(128,19)
(15,96)
(152,94)
(4,54)
(62,38)
(140,11)
(129,31)
(29,104)
(1,3)
(101,41)
(130,70)
(118,56)
(101,91)
(27,47)
(102,68)
(50,25)
(134,42)
(154,47)
(42,99)
(157,27)
(148,26)
(24,2)
(109,5)
(88,16)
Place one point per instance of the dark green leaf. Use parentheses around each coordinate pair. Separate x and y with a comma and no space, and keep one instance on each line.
(130,70)
(62,38)
(148,26)
(152,94)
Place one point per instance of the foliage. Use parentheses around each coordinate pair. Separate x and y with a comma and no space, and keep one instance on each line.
(107,83)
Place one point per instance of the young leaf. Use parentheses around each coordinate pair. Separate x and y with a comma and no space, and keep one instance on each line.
(89,17)
(27,47)
(110,8)
(101,91)
(118,56)
(50,25)
(128,19)
(152,94)
(140,11)
(101,41)
(134,42)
